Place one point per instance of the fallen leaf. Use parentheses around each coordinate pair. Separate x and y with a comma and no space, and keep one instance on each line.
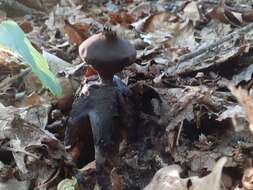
(121,17)
(116,180)
(233,17)
(77,33)
(191,11)
(244,75)
(232,112)
(218,12)
(162,21)
(245,100)
(247,16)
(13,183)
(169,178)
(141,10)
(115,18)
(247,179)
(229,15)
(26,26)
(90,71)
(33,99)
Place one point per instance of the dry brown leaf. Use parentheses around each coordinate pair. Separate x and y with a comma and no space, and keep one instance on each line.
(167,29)
(122,18)
(247,180)
(224,14)
(160,21)
(90,71)
(116,180)
(26,26)
(217,13)
(77,33)
(233,17)
(115,18)
(8,66)
(169,178)
(191,11)
(245,100)
(141,10)
(33,99)
(32,83)
(248,16)
(228,15)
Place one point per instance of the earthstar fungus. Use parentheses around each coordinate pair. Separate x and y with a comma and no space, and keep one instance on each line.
(100,116)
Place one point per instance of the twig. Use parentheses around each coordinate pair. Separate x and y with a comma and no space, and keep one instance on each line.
(20,151)
(228,37)
(179,133)
(47,183)
(71,3)
(210,1)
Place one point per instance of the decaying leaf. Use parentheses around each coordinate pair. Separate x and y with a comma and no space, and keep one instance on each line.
(184,109)
(228,15)
(232,112)
(11,182)
(26,26)
(141,10)
(117,180)
(169,178)
(121,17)
(248,179)
(33,100)
(191,11)
(77,33)
(248,16)
(36,152)
(245,100)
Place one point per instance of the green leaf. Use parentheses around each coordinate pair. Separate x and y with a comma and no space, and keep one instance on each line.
(68,184)
(14,39)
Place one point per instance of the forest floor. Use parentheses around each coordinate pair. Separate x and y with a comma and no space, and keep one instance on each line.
(188,101)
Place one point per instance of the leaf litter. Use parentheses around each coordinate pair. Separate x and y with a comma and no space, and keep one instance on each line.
(192,128)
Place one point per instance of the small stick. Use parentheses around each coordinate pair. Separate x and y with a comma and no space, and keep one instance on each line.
(20,151)
(179,133)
